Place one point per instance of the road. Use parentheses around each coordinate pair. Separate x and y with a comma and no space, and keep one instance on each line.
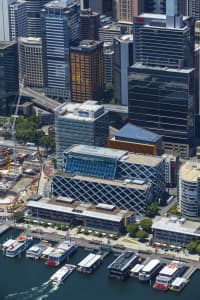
(50,104)
(40,99)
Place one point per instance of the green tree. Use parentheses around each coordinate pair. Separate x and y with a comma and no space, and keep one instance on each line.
(191,247)
(152,210)
(198,248)
(18,215)
(132,228)
(146,224)
(47,142)
(141,235)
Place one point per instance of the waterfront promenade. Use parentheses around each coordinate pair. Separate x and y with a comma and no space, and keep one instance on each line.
(122,243)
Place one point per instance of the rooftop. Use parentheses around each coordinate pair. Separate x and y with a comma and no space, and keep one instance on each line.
(89,260)
(179,225)
(31,40)
(84,209)
(157,68)
(131,184)
(157,16)
(97,151)
(60,4)
(125,38)
(135,133)
(87,45)
(121,155)
(4,45)
(80,111)
(123,261)
(190,171)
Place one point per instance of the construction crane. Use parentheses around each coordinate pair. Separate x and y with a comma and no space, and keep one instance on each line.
(13,125)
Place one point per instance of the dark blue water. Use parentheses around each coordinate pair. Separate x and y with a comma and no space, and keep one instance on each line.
(23,279)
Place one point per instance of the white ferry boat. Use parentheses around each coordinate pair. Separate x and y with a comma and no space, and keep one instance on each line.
(136,269)
(150,270)
(60,252)
(168,274)
(7,244)
(178,284)
(21,243)
(36,250)
(59,276)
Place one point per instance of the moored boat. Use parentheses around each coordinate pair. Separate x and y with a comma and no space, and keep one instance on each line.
(21,243)
(168,274)
(60,252)
(150,270)
(36,250)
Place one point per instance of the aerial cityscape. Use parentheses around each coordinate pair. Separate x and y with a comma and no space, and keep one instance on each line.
(99,149)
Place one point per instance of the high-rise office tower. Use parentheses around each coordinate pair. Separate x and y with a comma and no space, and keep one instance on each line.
(108,56)
(80,123)
(30,61)
(9,81)
(60,29)
(161,82)
(194,8)
(123,59)
(17,19)
(99,6)
(89,25)
(159,6)
(33,17)
(126,9)
(4,20)
(87,74)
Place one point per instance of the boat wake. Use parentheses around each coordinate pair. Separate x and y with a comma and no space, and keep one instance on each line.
(37,293)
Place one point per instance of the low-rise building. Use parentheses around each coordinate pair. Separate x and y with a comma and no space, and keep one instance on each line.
(66,210)
(175,231)
(136,139)
(96,174)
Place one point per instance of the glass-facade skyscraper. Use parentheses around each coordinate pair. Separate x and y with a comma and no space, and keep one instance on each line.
(60,30)
(161,82)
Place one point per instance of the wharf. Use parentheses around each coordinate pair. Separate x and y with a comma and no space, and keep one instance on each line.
(4,228)
(191,270)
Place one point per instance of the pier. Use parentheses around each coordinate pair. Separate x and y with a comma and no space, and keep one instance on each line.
(191,270)
(4,228)
(121,266)
(89,263)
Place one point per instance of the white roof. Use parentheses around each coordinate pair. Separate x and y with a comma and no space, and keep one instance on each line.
(86,213)
(8,243)
(48,251)
(188,227)
(171,268)
(151,265)
(89,260)
(178,281)
(137,268)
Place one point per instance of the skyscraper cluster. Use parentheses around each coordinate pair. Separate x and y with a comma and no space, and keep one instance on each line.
(143,50)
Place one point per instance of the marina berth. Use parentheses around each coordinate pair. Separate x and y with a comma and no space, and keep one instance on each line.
(59,276)
(60,252)
(19,246)
(178,284)
(150,270)
(89,263)
(46,252)
(135,270)
(168,274)
(121,266)
(36,251)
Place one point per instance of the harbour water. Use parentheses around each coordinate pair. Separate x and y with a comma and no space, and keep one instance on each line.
(24,279)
